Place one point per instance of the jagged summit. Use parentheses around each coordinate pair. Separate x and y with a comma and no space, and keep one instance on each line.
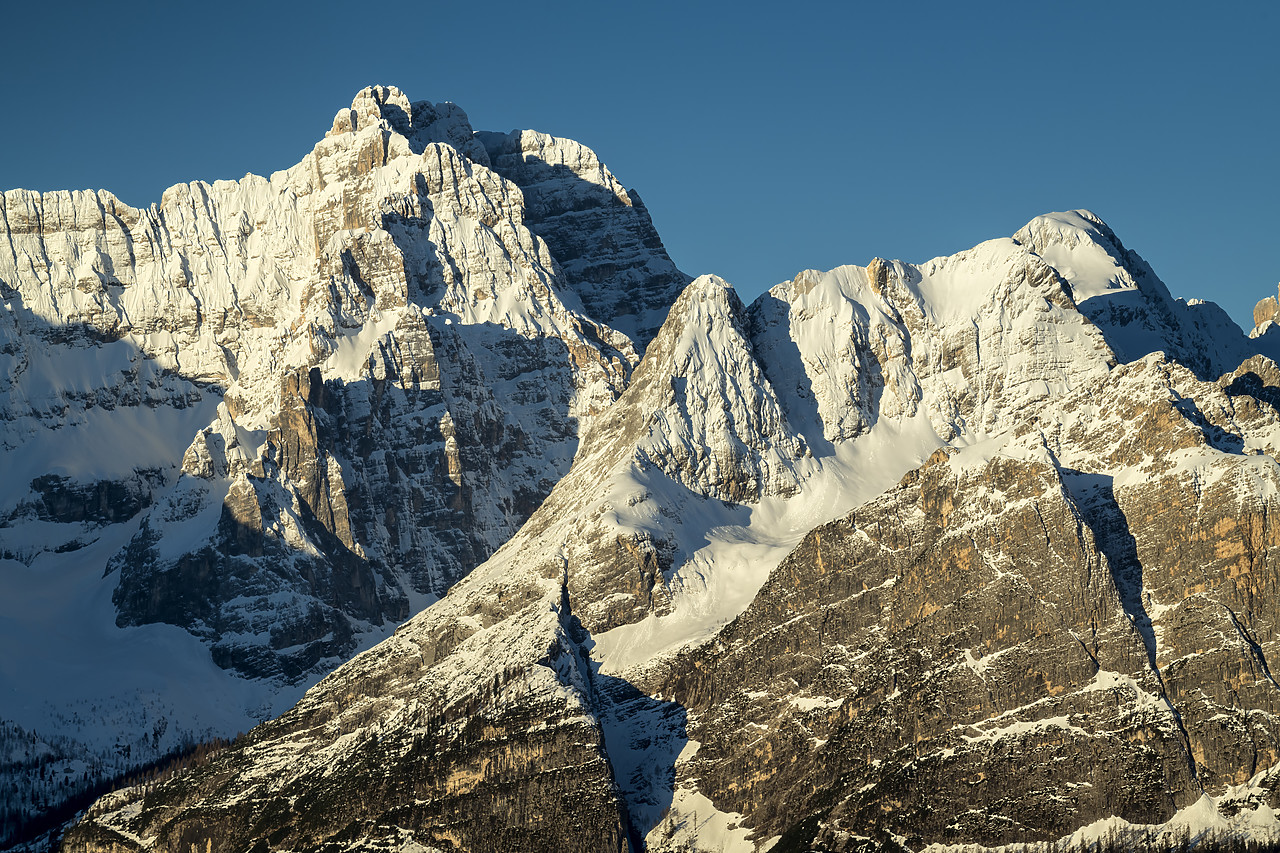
(715,423)
(1082,247)
(420,122)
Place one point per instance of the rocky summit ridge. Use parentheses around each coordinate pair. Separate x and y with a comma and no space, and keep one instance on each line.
(974,551)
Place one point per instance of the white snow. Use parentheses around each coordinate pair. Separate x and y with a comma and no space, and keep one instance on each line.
(1018,728)
(1070,243)
(813,703)
(352,349)
(694,824)
(101,685)
(955,288)
(979,665)
(732,550)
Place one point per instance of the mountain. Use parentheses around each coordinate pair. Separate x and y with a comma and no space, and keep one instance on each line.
(248,430)
(977,551)
(971,551)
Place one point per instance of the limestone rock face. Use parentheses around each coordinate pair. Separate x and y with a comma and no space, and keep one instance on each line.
(609,253)
(936,680)
(1265,314)
(966,340)
(283,413)
(698,427)
(953,695)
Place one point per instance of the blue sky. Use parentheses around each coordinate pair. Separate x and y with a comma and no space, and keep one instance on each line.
(764,138)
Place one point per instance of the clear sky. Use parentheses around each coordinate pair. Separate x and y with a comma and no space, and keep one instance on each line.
(765,138)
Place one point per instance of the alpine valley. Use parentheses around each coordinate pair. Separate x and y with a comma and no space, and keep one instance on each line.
(421,465)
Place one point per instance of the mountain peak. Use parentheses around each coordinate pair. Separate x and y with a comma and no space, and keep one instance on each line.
(665,580)
(1120,294)
(706,313)
(718,295)
(374,104)
(714,421)
(1069,228)
(420,122)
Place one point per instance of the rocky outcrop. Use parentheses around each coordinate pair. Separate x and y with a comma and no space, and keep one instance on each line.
(65,501)
(698,425)
(1265,314)
(609,252)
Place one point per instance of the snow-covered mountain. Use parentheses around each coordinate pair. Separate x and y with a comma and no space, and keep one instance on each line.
(972,551)
(248,430)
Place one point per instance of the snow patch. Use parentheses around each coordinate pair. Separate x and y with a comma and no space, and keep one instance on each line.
(694,824)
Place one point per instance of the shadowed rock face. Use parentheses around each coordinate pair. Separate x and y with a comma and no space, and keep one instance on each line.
(66,501)
(610,254)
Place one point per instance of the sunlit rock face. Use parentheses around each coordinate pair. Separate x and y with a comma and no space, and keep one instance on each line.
(1009,647)
(391,377)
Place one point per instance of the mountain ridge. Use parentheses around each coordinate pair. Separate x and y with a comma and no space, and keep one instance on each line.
(490,378)
(668,775)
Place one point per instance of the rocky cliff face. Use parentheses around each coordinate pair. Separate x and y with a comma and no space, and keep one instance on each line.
(284,413)
(1265,317)
(975,551)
